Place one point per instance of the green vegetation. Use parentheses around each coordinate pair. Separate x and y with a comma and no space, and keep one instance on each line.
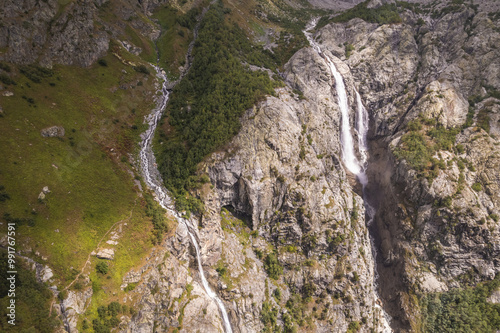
(176,36)
(348,50)
(418,146)
(269,317)
(102,268)
(385,14)
(157,215)
(32,300)
(297,308)
(477,187)
(204,110)
(36,73)
(273,267)
(107,317)
(90,187)
(462,310)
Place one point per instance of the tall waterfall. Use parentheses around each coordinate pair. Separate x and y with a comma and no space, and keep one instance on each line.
(154,181)
(351,161)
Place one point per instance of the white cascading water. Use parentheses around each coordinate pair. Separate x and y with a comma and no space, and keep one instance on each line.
(351,161)
(154,181)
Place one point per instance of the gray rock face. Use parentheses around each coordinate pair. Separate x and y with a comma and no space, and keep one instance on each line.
(440,70)
(107,253)
(74,305)
(286,176)
(75,34)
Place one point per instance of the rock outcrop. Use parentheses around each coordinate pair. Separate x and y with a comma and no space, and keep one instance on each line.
(77,33)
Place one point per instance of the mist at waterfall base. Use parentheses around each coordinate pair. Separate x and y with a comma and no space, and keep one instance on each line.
(349,158)
(154,181)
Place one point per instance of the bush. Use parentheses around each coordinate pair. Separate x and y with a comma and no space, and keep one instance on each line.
(273,267)
(157,214)
(5,79)
(130,287)
(62,295)
(36,73)
(5,67)
(102,62)
(114,308)
(348,50)
(308,289)
(477,187)
(102,268)
(142,69)
(269,316)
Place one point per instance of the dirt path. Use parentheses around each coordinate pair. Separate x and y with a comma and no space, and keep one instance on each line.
(87,262)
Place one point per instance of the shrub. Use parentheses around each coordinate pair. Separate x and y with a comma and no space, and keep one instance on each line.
(102,62)
(348,50)
(36,73)
(269,316)
(114,308)
(273,267)
(5,67)
(102,268)
(5,79)
(142,69)
(62,295)
(477,187)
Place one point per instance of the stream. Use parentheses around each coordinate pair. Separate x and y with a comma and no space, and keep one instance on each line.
(154,181)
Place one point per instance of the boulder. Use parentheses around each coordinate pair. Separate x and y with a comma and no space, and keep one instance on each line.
(53,131)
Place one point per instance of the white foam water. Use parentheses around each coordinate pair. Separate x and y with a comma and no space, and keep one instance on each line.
(154,181)
(349,157)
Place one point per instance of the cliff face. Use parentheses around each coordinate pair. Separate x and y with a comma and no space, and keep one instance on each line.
(285,194)
(73,33)
(431,86)
(283,172)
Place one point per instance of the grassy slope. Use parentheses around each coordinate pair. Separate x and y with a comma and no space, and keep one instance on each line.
(174,40)
(89,184)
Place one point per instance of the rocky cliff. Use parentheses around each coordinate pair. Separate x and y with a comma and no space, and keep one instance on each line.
(431,86)
(286,196)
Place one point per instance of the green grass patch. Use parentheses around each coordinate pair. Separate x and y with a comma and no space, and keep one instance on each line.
(424,138)
(90,187)
(175,38)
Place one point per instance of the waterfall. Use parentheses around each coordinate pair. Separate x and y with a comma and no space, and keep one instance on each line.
(154,181)
(351,161)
